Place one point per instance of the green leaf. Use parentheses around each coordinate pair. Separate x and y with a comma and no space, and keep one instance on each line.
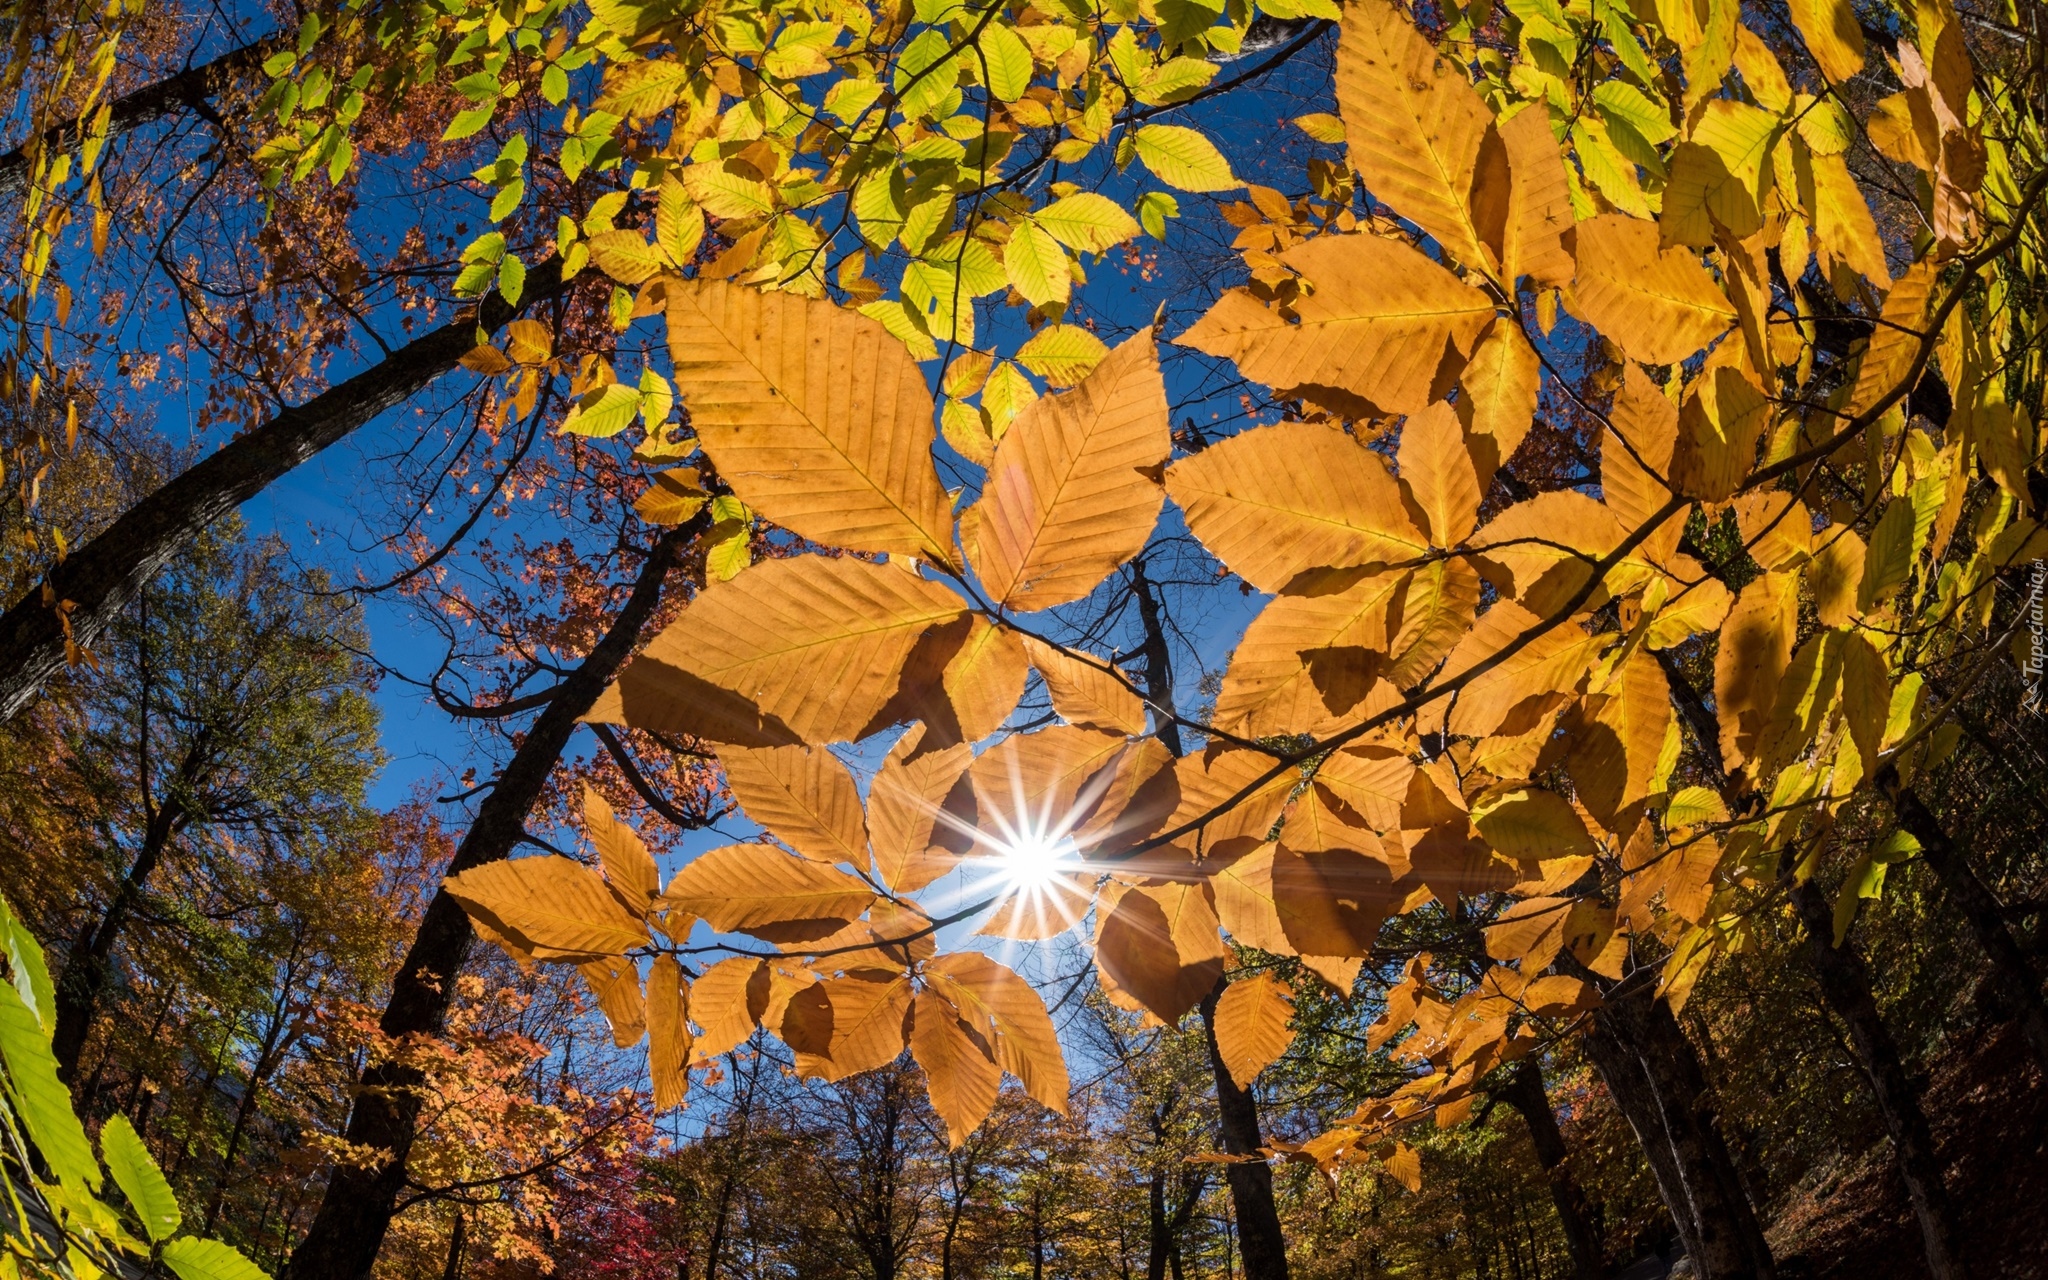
(1086,222)
(511,278)
(731,549)
(1009,62)
(136,1173)
(468,122)
(1062,354)
(604,412)
(1154,208)
(280,62)
(1037,266)
(41,1099)
(1691,806)
(1182,157)
(196,1259)
(508,199)
(1621,100)
(30,971)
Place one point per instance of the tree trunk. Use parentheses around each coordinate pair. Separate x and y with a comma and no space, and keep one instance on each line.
(186,90)
(1161,1242)
(1845,983)
(2017,982)
(1655,1078)
(89,966)
(356,1209)
(101,577)
(1525,1093)
(1260,1241)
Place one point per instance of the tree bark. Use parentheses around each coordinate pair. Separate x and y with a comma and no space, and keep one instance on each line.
(2017,982)
(99,579)
(185,90)
(1260,1241)
(1525,1093)
(1655,1078)
(1845,984)
(357,1207)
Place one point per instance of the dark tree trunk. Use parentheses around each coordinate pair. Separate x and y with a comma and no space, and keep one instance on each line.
(1260,1241)
(1525,1093)
(1160,1242)
(187,90)
(357,1207)
(101,577)
(1845,984)
(1158,670)
(1655,1078)
(2018,985)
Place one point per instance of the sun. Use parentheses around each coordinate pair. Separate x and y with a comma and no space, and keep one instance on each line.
(1031,859)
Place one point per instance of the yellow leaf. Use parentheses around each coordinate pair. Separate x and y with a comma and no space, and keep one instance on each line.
(1437,474)
(1497,392)
(625,256)
(843,1026)
(1635,455)
(1069,497)
(628,868)
(1895,342)
(668,1033)
(1086,222)
(757,887)
(529,341)
(1036,266)
(1657,306)
(1436,612)
(1159,944)
(673,497)
(1548,666)
(1404,1165)
(1414,125)
(1539,204)
(808,649)
(1547,547)
(1181,157)
(1029,782)
(1718,431)
(986,993)
(1842,221)
(1756,648)
(1834,574)
(959,1067)
(906,803)
(1083,694)
(726,1003)
(985,678)
(1062,354)
(485,359)
(1378,324)
(813,414)
(1532,825)
(615,981)
(1276,501)
(1833,35)
(1308,658)
(1321,126)
(1617,738)
(804,796)
(1251,1025)
(554,907)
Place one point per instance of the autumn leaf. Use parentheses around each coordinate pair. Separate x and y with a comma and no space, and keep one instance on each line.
(1657,305)
(1381,321)
(1071,493)
(1084,693)
(1251,1025)
(808,649)
(814,415)
(1309,658)
(762,890)
(556,907)
(988,994)
(668,1032)
(1276,501)
(959,1067)
(804,796)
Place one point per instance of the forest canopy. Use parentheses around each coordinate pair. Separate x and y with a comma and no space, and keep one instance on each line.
(1063,636)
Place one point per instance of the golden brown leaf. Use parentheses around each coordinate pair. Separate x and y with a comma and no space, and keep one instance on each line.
(1437,474)
(904,806)
(1539,204)
(1658,306)
(850,1024)
(1252,1028)
(1160,945)
(668,1033)
(1083,693)
(804,796)
(1756,648)
(1274,502)
(1497,393)
(756,887)
(814,415)
(727,1002)
(1073,491)
(1026,1046)
(808,649)
(1381,322)
(1310,656)
(985,678)
(555,907)
(959,1066)
(615,981)
(628,868)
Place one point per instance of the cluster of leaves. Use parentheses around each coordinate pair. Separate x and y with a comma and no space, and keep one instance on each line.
(1430,707)
(79,1233)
